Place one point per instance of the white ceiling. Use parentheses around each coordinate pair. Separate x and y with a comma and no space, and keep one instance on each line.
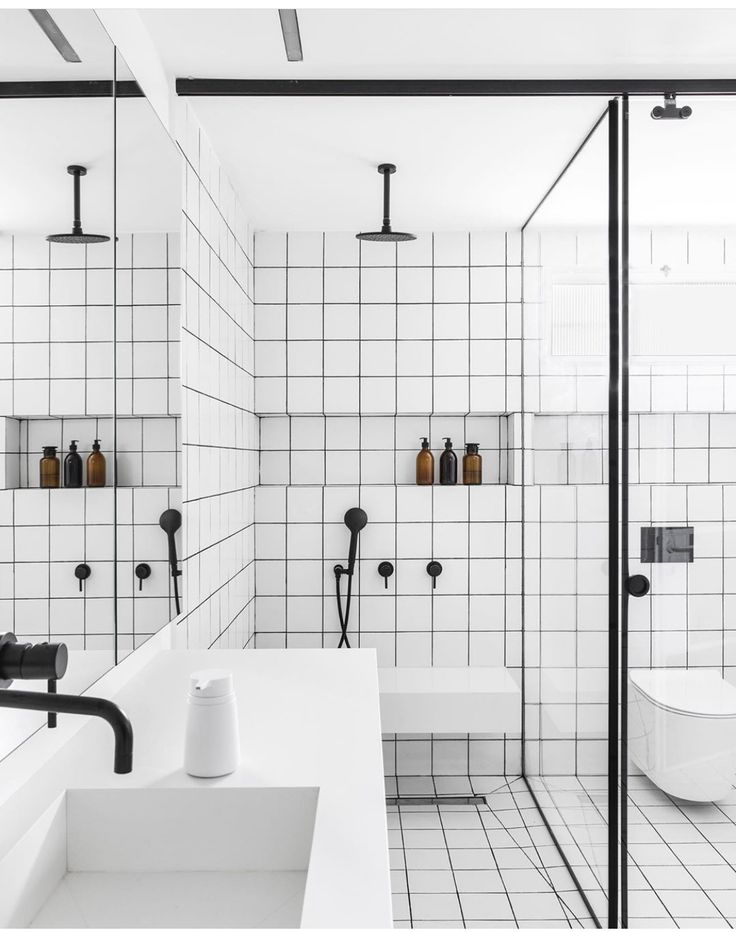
(449,43)
(464,163)
(42,137)
(27,55)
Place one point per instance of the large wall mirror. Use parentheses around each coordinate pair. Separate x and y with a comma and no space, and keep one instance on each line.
(89,324)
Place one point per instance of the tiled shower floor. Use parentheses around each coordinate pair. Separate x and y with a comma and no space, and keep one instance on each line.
(681,860)
(480,867)
(495,866)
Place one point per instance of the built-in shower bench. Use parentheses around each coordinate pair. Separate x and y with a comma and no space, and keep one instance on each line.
(422,700)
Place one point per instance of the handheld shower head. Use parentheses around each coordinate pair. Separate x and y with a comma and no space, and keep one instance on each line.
(355,520)
(170,520)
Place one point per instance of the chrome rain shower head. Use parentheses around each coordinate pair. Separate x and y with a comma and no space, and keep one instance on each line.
(386,234)
(77,235)
(671,111)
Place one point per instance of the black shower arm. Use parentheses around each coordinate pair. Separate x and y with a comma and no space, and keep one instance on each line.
(386,202)
(77,225)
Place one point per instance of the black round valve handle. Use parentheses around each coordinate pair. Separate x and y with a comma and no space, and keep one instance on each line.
(385,569)
(82,571)
(142,571)
(434,568)
(637,586)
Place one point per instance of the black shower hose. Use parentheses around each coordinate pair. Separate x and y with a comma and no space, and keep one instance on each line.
(346,617)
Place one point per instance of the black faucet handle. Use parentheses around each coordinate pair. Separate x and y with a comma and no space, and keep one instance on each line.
(385,569)
(434,568)
(142,571)
(83,572)
(30,661)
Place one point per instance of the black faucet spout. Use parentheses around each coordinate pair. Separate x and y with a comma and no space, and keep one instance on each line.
(79,705)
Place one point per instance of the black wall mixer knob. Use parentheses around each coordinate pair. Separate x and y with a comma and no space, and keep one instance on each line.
(82,572)
(434,568)
(142,571)
(385,569)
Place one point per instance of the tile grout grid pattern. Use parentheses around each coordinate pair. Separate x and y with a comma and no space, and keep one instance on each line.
(681,855)
(485,866)
(428,327)
(220,442)
(57,350)
(44,534)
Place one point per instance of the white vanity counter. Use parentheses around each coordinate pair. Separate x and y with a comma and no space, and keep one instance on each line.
(307,719)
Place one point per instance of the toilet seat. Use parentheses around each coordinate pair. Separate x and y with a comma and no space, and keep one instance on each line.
(696,693)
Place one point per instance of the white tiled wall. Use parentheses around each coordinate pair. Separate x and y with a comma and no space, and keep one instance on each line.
(44,534)
(220,428)
(427,327)
(61,349)
(57,333)
(361,350)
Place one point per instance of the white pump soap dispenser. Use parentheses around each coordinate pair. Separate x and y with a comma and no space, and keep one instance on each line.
(212,746)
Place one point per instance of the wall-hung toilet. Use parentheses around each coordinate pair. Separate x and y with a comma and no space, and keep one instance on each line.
(682,731)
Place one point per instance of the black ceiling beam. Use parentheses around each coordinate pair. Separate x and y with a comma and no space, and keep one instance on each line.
(257,87)
(15,90)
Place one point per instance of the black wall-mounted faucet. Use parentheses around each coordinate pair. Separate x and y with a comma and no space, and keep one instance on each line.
(48,662)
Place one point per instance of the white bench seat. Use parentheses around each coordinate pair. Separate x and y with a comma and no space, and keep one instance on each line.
(449,700)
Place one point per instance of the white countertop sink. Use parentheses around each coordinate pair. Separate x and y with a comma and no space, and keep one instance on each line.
(158,848)
(163,857)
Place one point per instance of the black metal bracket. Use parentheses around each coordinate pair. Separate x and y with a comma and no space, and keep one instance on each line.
(671,111)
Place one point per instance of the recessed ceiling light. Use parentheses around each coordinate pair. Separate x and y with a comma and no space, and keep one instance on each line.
(57,38)
(290,30)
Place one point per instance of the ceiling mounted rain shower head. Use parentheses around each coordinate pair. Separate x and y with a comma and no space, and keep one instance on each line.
(386,234)
(77,235)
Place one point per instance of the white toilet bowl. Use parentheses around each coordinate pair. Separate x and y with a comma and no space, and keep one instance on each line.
(682,731)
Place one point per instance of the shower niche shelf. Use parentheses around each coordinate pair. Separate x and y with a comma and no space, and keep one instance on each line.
(148,449)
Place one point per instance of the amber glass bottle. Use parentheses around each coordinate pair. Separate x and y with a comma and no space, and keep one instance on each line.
(49,469)
(472,465)
(425,464)
(96,467)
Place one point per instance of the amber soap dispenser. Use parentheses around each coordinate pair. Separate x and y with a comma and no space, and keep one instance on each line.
(425,464)
(472,465)
(49,469)
(96,467)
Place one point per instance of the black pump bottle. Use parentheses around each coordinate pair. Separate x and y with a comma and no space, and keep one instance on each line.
(73,469)
(448,464)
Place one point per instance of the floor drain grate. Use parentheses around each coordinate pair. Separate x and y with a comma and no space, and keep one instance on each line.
(436,801)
